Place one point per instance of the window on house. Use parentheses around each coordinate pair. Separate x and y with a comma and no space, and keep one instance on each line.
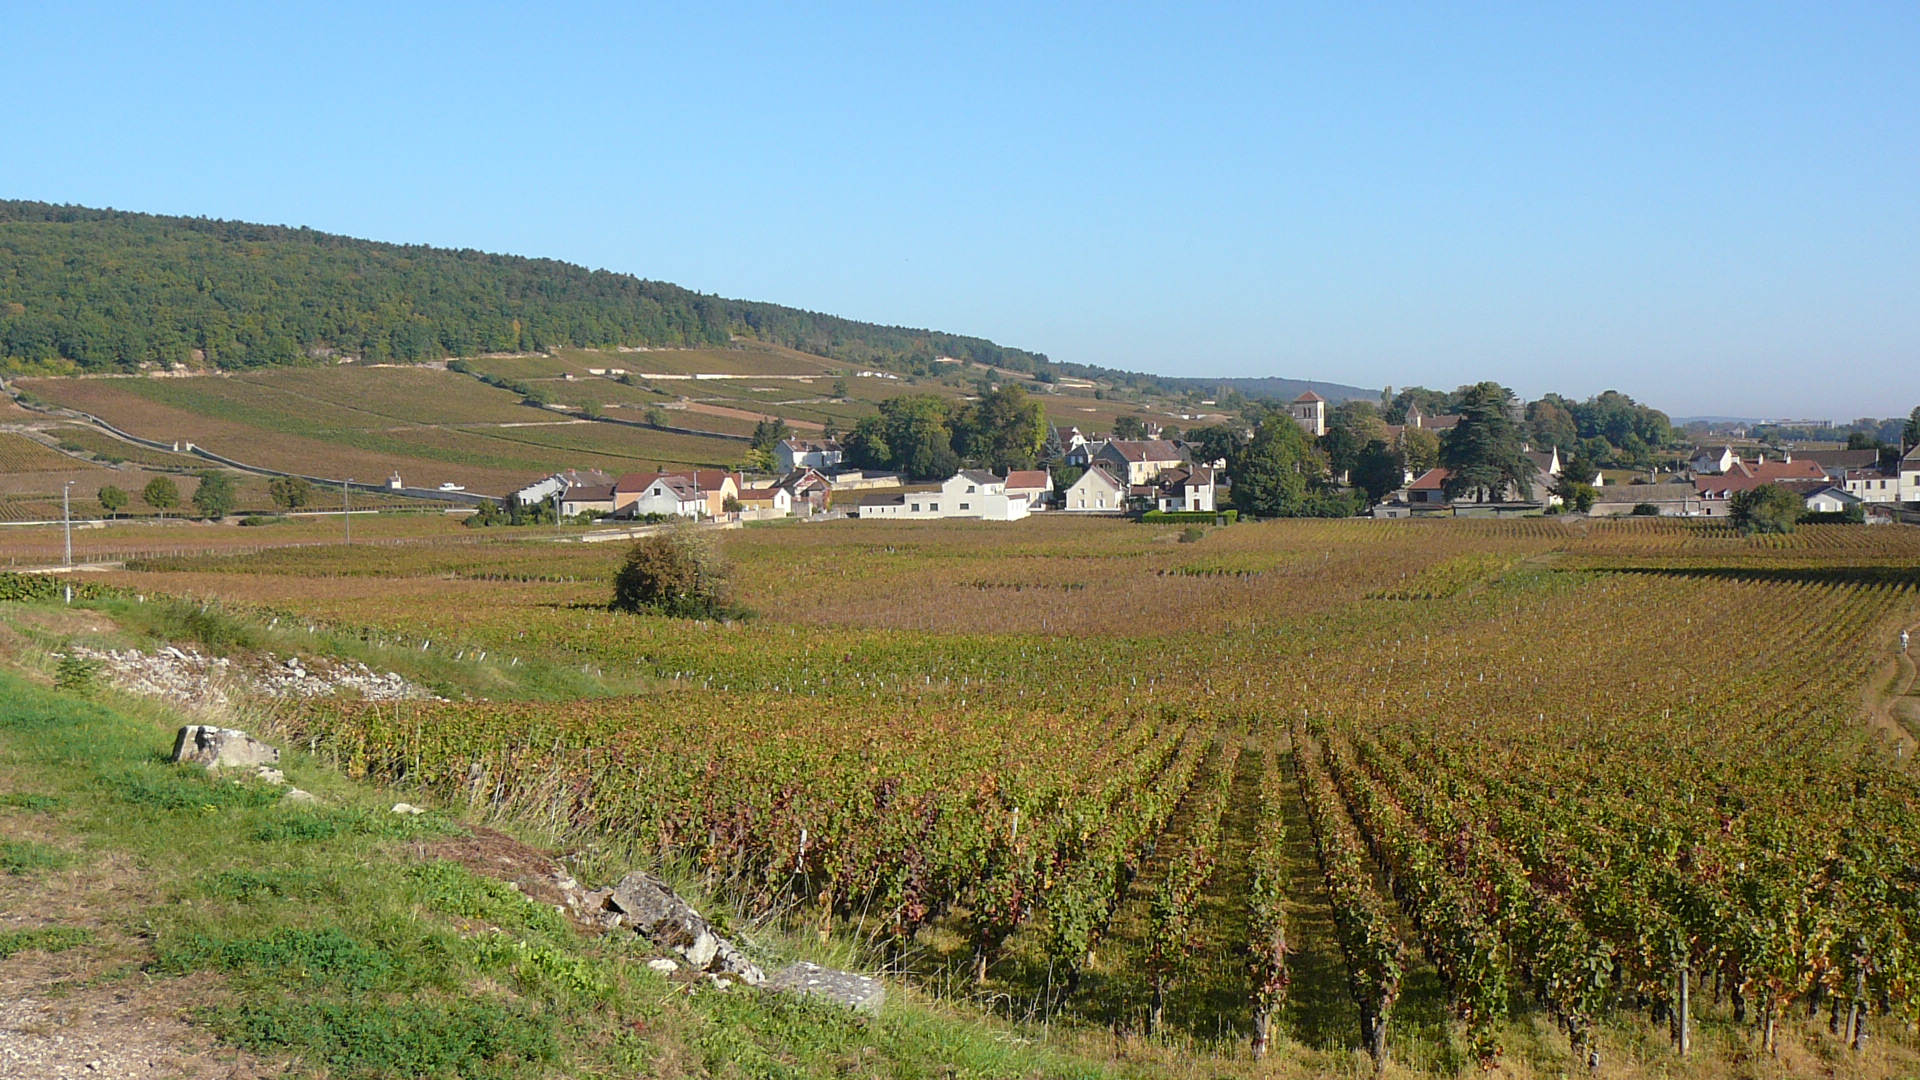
(916,508)
(933,508)
(970,490)
(966,506)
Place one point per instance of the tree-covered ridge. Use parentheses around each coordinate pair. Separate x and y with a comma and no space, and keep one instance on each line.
(104,290)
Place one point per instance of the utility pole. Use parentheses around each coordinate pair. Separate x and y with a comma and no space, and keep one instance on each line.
(66,512)
(346,514)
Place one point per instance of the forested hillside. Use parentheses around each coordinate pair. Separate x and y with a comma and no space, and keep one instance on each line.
(103,290)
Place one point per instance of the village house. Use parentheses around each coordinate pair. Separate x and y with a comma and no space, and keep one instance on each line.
(977,493)
(1097,491)
(1418,419)
(1035,485)
(1910,476)
(1062,441)
(1429,489)
(587,499)
(969,493)
(1840,462)
(775,500)
(542,491)
(1140,461)
(1190,488)
(809,490)
(1871,485)
(1081,454)
(1713,461)
(1717,492)
(793,454)
(1831,499)
(669,495)
(709,488)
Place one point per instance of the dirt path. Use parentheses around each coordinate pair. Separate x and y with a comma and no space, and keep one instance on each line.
(1888,698)
(84,1006)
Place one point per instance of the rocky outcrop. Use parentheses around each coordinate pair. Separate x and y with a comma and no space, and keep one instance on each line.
(861,993)
(191,679)
(220,748)
(650,907)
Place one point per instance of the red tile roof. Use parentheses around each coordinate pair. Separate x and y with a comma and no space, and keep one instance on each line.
(1431,480)
(1028,479)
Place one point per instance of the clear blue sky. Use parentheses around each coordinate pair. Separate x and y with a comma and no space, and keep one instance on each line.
(1709,206)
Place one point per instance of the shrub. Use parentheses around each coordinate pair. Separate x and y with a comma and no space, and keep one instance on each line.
(1768,508)
(1192,534)
(677,573)
(76,675)
(1645,510)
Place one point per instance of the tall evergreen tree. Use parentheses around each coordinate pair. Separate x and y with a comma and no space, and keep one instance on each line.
(1485,452)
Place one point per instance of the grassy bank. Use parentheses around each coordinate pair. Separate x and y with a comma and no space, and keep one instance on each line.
(333,940)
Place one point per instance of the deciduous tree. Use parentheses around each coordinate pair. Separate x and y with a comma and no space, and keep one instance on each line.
(213,495)
(161,493)
(290,492)
(112,500)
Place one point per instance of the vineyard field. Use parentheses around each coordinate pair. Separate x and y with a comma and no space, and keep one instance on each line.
(1629,798)
(431,426)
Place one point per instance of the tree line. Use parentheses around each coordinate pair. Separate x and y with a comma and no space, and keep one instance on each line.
(104,290)
(926,437)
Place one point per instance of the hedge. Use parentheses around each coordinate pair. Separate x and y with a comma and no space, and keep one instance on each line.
(1205,517)
(44,588)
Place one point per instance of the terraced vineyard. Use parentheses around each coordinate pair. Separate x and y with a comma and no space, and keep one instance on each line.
(1455,795)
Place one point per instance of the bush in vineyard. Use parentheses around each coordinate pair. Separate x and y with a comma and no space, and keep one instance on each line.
(677,573)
